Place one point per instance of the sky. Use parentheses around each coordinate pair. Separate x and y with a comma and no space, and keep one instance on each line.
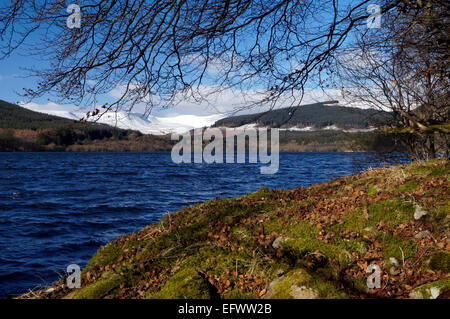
(13,78)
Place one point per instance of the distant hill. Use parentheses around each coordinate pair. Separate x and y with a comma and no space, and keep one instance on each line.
(25,130)
(17,117)
(317,115)
(144,123)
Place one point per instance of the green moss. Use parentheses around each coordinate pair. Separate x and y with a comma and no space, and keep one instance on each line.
(440,170)
(301,241)
(353,221)
(425,168)
(431,290)
(262,192)
(362,181)
(397,247)
(98,289)
(358,245)
(227,210)
(218,260)
(360,284)
(442,128)
(372,191)
(399,130)
(222,238)
(185,284)
(418,168)
(298,283)
(104,256)
(302,230)
(242,234)
(439,260)
(273,226)
(408,186)
(392,212)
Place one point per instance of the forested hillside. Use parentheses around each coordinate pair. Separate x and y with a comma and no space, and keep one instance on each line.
(14,116)
(317,115)
(26,130)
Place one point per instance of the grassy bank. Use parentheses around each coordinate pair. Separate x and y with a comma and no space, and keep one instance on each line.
(313,242)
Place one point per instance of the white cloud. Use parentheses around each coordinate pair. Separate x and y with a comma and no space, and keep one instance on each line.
(228,101)
(217,100)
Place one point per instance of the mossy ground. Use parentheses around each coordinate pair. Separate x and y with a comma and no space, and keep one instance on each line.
(431,290)
(237,247)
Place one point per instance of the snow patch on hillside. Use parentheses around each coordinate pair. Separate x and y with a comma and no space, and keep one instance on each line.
(134,121)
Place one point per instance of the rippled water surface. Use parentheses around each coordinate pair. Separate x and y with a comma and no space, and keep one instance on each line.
(59,208)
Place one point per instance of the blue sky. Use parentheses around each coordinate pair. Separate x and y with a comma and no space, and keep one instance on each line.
(13,78)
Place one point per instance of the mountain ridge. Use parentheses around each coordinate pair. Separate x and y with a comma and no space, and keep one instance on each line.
(316,116)
(146,124)
(22,129)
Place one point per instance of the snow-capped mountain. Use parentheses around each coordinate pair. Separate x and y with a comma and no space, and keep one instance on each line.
(157,125)
(135,121)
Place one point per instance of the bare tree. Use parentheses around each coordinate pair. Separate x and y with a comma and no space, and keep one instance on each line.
(155,50)
(404,68)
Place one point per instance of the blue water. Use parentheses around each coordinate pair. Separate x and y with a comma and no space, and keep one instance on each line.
(59,208)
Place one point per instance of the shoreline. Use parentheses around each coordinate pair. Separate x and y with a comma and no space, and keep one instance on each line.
(305,235)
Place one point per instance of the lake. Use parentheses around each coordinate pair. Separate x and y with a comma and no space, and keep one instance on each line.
(57,209)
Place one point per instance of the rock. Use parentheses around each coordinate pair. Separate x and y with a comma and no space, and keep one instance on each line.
(303,292)
(431,290)
(422,234)
(299,284)
(419,212)
(435,292)
(292,286)
(394,271)
(415,295)
(393,261)
(277,242)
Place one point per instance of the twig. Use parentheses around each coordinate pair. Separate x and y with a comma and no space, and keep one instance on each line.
(423,253)
(403,257)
